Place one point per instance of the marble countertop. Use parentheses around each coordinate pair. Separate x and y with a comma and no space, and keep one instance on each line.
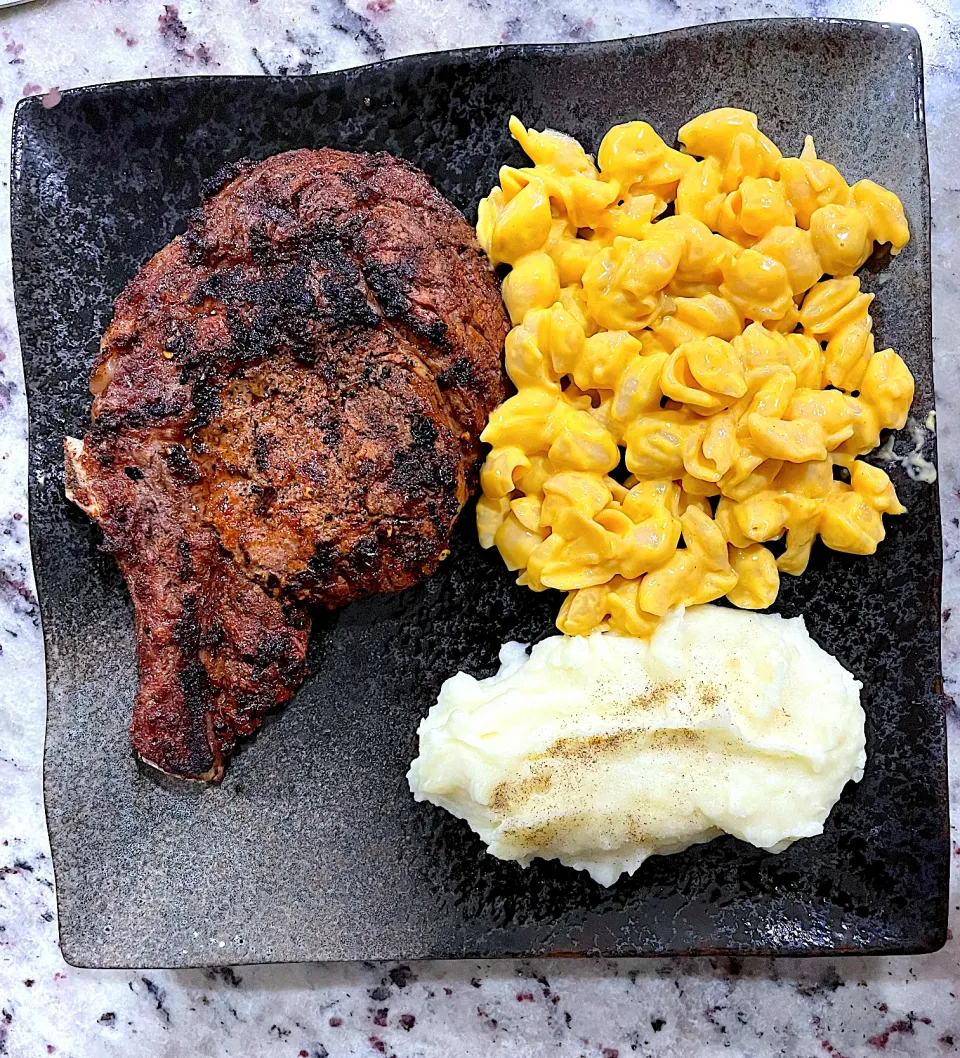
(658,1008)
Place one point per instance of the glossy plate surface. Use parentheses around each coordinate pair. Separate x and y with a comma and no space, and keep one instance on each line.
(313,847)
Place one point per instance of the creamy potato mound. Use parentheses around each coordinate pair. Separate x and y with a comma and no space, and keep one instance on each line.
(602,750)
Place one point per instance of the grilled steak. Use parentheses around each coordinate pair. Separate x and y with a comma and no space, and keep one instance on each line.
(286,412)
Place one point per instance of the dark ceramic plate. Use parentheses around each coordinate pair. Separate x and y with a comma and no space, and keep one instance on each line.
(313,847)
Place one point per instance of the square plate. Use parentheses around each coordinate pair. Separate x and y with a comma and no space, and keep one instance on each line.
(313,847)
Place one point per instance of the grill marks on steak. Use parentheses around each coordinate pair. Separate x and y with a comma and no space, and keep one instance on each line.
(317,524)
(287,409)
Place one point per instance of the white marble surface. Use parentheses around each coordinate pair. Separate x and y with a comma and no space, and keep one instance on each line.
(753,1008)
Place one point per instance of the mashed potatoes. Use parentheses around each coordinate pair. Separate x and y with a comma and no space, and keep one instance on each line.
(600,751)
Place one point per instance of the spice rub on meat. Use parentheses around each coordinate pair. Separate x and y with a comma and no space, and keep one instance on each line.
(286,412)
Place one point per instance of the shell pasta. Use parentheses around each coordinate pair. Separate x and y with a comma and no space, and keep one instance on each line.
(693,383)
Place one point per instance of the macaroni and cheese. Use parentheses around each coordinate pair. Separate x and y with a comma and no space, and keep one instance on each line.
(692,386)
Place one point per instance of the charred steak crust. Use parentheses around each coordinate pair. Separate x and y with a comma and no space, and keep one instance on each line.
(286,412)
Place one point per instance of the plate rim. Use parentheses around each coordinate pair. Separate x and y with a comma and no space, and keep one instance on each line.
(493,51)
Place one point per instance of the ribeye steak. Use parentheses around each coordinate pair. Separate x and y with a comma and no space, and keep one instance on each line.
(286,412)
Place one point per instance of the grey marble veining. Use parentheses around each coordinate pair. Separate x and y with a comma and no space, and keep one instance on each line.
(896,1006)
